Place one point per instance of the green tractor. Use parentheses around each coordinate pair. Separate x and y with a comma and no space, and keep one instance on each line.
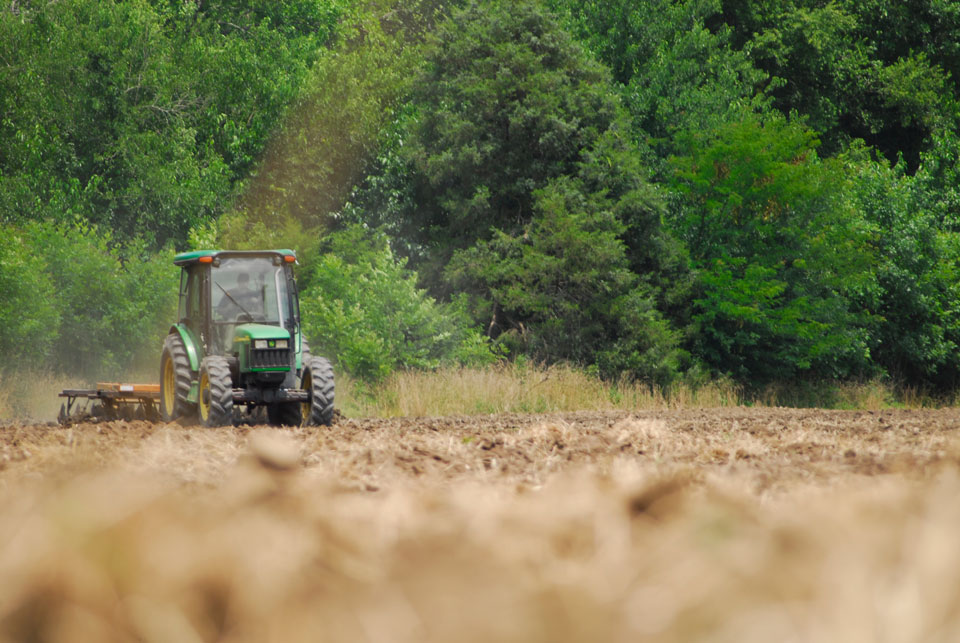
(239,344)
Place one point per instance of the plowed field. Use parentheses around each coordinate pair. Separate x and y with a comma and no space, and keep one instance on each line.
(717,525)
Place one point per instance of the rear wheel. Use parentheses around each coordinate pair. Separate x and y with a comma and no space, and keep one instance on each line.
(175,380)
(317,380)
(215,397)
(284,414)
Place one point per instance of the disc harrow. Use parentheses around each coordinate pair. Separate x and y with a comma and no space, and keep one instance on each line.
(111,401)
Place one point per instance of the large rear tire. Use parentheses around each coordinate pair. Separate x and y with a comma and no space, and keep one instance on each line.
(175,380)
(215,394)
(317,380)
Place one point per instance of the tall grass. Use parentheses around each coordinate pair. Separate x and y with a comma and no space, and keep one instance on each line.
(32,395)
(510,388)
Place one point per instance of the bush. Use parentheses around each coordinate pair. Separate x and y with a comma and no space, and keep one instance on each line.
(361,306)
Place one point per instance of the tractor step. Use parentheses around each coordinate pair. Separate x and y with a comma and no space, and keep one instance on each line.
(111,401)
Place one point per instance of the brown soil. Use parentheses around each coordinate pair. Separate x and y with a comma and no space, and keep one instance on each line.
(720,525)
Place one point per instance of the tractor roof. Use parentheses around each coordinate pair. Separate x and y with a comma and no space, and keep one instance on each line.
(188,258)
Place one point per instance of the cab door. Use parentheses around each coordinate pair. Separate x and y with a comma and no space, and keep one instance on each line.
(193,303)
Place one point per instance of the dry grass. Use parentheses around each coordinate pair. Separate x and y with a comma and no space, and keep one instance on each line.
(668,525)
(509,388)
(32,395)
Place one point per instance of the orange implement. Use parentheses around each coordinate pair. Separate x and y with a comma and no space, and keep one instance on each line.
(111,401)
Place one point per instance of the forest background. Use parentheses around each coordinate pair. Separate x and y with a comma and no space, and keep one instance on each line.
(663,191)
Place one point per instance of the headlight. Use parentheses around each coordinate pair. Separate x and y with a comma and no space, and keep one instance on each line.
(259,344)
(281,343)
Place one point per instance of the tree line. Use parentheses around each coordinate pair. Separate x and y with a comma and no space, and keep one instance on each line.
(658,189)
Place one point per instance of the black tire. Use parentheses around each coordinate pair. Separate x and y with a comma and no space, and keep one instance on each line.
(285,414)
(317,379)
(173,400)
(215,392)
(304,353)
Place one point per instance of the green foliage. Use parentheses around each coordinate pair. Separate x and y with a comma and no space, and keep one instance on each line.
(509,174)
(29,319)
(937,183)
(113,301)
(917,276)
(562,289)
(578,178)
(507,102)
(840,67)
(779,251)
(903,29)
(142,116)
(676,73)
(333,127)
(361,306)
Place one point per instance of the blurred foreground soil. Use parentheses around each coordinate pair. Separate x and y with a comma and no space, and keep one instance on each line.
(718,525)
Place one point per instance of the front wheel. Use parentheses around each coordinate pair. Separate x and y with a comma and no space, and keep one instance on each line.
(317,380)
(215,395)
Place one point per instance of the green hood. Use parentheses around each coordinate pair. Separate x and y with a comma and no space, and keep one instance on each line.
(249,332)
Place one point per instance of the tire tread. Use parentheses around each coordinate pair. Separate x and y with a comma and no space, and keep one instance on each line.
(183,377)
(322,390)
(221,390)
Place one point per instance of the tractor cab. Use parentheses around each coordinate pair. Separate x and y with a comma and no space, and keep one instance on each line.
(238,343)
(236,301)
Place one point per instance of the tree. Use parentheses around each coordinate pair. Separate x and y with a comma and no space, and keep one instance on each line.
(143,116)
(514,163)
(877,70)
(115,300)
(917,338)
(507,102)
(673,62)
(780,253)
(562,290)
(29,318)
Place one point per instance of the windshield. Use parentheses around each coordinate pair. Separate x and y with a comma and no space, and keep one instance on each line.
(249,290)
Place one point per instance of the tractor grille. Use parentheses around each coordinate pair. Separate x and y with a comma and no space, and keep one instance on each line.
(270,358)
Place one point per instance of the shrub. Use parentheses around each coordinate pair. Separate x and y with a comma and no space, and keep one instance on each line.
(361,306)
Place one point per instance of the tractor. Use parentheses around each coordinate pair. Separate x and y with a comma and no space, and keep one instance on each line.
(238,343)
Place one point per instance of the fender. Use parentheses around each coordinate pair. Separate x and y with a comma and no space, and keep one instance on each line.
(190,343)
